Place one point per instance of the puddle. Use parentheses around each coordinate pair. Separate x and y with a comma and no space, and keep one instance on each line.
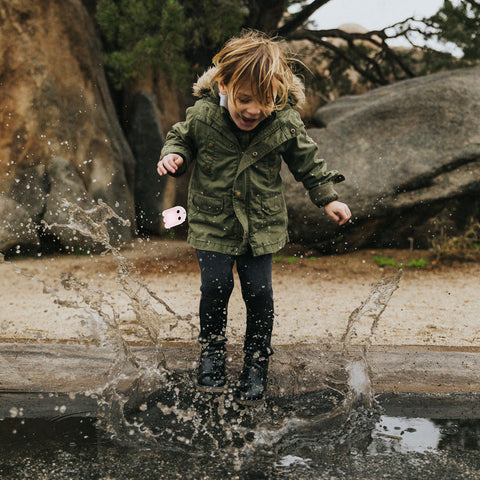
(427,424)
(285,439)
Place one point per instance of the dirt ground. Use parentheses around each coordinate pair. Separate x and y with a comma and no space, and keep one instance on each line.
(437,305)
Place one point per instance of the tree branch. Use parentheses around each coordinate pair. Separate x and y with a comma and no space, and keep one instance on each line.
(377,38)
(318,39)
(301,17)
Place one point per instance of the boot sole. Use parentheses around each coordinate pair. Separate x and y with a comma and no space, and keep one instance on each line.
(249,403)
(201,388)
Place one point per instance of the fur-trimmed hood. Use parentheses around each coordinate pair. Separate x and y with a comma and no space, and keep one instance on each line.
(203,87)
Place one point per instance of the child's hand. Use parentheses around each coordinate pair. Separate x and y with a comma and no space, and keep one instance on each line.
(169,163)
(338,211)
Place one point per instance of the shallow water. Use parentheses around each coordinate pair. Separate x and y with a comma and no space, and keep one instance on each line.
(368,444)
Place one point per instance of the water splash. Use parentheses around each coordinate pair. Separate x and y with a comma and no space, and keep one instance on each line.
(142,378)
(146,403)
(373,306)
(360,382)
(131,379)
(91,223)
(358,368)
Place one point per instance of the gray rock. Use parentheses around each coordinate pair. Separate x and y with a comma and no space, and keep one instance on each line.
(146,141)
(409,151)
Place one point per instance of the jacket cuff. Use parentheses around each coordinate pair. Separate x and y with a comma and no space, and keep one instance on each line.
(322,195)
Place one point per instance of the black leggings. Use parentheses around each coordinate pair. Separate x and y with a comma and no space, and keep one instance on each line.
(255,275)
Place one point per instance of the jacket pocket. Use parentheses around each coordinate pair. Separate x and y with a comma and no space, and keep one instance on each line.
(272,205)
(208,205)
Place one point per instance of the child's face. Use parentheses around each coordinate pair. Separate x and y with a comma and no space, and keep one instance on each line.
(244,109)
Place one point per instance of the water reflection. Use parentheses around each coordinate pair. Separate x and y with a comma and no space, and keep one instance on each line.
(403,435)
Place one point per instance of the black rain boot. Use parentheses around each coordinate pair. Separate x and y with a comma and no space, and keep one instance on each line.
(211,369)
(253,380)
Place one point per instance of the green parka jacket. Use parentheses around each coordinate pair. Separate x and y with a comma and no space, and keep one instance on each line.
(235,197)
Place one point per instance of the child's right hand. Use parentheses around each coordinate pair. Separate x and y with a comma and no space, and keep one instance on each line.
(169,163)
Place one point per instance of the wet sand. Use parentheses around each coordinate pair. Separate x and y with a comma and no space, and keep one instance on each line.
(435,306)
(426,340)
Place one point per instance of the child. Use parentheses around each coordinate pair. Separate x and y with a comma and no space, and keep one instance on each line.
(236,136)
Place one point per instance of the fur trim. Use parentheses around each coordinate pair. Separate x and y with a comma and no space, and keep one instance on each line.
(204,85)
(297,92)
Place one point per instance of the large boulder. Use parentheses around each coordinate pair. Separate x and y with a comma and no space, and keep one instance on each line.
(59,134)
(410,153)
(145,137)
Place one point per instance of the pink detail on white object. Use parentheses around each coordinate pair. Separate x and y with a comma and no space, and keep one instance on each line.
(174,216)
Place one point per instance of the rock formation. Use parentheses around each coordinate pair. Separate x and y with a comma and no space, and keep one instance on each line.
(59,134)
(410,152)
(146,141)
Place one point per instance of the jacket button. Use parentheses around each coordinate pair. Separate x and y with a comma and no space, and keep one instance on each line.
(238,193)
(210,145)
(254,154)
(292,130)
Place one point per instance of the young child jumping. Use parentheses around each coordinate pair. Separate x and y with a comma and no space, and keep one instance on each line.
(236,136)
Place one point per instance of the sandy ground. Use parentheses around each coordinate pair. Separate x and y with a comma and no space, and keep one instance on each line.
(434,306)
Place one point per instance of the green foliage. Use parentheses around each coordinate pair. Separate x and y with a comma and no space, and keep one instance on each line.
(432,61)
(142,35)
(391,262)
(384,261)
(420,263)
(459,23)
(160,36)
(178,37)
(283,259)
(213,22)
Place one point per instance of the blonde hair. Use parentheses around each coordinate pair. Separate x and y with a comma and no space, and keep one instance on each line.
(260,62)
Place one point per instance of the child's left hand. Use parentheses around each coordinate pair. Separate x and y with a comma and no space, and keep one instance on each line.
(338,211)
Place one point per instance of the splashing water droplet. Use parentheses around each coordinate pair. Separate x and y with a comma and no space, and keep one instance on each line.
(358,369)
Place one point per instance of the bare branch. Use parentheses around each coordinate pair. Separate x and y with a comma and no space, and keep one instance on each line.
(301,17)
(376,37)
(403,22)
(318,39)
